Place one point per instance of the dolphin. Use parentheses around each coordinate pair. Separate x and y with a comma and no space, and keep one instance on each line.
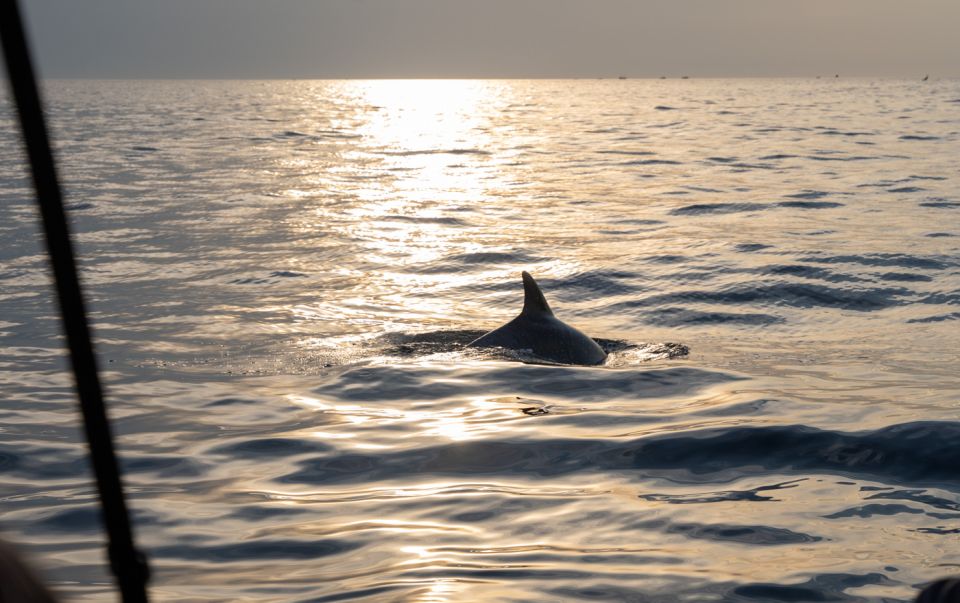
(537,330)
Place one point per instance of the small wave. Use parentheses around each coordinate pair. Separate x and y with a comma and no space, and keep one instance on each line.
(797,295)
(810,204)
(906,189)
(716,208)
(436,152)
(651,162)
(685,317)
(901,260)
(918,137)
(905,277)
(426,220)
(809,194)
(835,158)
(664,108)
(908,453)
(940,203)
(494,257)
(938,318)
(751,247)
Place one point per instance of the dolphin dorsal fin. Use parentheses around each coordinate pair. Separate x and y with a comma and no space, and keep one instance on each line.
(534,302)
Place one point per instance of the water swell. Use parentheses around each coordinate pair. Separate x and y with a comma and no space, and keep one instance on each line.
(909,453)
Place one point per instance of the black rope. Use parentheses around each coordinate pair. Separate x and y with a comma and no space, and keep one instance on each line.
(126,562)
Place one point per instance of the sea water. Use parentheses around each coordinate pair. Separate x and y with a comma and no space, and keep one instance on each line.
(282,276)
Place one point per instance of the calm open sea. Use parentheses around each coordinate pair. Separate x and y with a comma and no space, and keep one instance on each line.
(283,274)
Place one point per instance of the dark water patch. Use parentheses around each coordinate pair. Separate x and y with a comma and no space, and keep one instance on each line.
(164,465)
(595,283)
(776,156)
(641,222)
(810,204)
(78,206)
(744,167)
(651,162)
(257,550)
(722,496)
(338,134)
(42,462)
(906,189)
(144,149)
(751,247)
(666,258)
(809,194)
(905,277)
(269,279)
(358,594)
(851,134)
(685,317)
(915,177)
(495,257)
(270,448)
(619,152)
(664,108)
(436,152)
(940,203)
(722,159)
(937,235)
(908,453)
(668,125)
(74,520)
(901,260)
(938,531)
(256,513)
(825,587)
(918,137)
(797,295)
(755,535)
(716,208)
(836,158)
(291,134)
(232,402)
(866,511)
(919,496)
(938,318)
(736,410)
(82,520)
(949,298)
(807,271)
(450,221)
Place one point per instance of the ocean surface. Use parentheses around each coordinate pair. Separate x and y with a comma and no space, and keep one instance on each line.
(283,276)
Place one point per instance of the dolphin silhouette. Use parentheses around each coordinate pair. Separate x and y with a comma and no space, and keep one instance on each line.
(538,331)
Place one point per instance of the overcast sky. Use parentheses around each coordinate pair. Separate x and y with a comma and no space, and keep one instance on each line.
(494,38)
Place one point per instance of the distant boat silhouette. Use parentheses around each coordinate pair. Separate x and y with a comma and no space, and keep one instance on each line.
(621,77)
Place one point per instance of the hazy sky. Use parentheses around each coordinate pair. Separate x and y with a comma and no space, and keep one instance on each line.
(494,38)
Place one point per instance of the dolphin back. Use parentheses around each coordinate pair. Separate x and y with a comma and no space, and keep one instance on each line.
(537,331)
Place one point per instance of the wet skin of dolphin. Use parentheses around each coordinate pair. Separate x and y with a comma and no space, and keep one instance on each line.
(540,332)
